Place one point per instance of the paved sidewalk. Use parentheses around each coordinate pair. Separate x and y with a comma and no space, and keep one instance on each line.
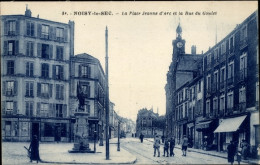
(57,153)
(212,153)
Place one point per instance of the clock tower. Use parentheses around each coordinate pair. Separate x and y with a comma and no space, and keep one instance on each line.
(178,44)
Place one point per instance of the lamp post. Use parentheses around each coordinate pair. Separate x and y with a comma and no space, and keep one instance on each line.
(118,137)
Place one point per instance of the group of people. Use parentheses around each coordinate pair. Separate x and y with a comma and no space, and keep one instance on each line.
(240,151)
(168,144)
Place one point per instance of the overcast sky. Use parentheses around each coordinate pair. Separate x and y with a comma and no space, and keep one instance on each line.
(140,46)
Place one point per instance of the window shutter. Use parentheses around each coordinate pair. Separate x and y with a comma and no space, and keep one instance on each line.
(65,35)
(79,70)
(16,47)
(15,87)
(51,51)
(27,89)
(57,91)
(54,34)
(4,88)
(50,33)
(27,29)
(15,108)
(57,52)
(39,50)
(6,28)
(61,53)
(53,110)
(38,110)
(49,114)
(50,90)
(5,47)
(32,49)
(61,72)
(32,29)
(17,27)
(3,107)
(62,91)
(89,72)
(38,89)
(31,69)
(54,71)
(27,49)
(64,110)
(39,30)
(47,70)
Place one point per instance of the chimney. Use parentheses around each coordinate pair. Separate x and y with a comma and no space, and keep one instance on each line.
(28,12)
(193,50)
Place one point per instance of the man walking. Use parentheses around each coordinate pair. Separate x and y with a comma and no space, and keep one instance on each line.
(231,152)
(156,145)
(172,145)
(184,145)
(166,147)
(141,137)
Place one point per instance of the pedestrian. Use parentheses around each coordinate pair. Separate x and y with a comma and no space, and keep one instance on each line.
(172,145)
(244,145)
(231,148)
(166,147)
(156,145)
(239,153)
(34,149)
(141,137)
(184,145)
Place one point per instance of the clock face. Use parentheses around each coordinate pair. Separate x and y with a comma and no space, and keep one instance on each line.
(179,44)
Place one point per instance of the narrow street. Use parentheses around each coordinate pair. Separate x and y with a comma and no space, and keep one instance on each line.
(144,154)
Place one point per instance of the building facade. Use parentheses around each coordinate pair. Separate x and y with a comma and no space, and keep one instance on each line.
(222,103)
(35,56)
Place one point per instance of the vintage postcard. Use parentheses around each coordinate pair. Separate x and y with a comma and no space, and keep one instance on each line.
(130,82)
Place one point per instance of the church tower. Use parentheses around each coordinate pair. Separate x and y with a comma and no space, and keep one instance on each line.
(178,44)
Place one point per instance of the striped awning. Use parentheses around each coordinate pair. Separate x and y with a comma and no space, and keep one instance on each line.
(230,124)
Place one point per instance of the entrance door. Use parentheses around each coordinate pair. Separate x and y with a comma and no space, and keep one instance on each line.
(35,130)
(57,135)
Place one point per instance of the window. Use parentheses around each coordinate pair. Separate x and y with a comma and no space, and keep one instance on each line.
(29,49)
(10,88)
(59,91)
(222,103)
(215,79)
(45,31)
(48,129)
(231,70)
(10,47)
(44,109)
(11,27)
(60,34)
(9,106)
(243,66)
(45,51)
(7,128)
(199,107)
(29,69)
(29,89)
(58,72)
(208,106)
(59,110)
(199,83)
(231,44)
(208,82)
(10,67)
(230,102)
(44,89)
(208,59)
(45,70)
(87,106)
(216,54)
(223,48)
(59,52)
(222,74)
(29,108)
(243,33)
(242,95)
(186,110)
(215,104)
(86,89)
(84,71)
(30,29)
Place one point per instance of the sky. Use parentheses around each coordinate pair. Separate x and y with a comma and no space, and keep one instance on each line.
(140,46)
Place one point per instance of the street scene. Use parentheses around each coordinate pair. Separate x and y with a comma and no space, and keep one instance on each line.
(130,83)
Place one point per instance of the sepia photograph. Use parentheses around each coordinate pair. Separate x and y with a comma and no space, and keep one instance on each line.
(170,82)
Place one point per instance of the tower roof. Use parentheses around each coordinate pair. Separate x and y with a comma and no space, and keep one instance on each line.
(179,29)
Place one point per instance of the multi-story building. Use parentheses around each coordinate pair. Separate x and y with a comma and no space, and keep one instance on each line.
(35,56)
(87,74)
(224,98)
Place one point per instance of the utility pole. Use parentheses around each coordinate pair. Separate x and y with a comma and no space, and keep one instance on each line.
(107,100)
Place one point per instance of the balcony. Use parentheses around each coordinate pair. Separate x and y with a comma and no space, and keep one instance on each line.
(222,85)
(242,74)
(242,107)
(230,81)
(243,43)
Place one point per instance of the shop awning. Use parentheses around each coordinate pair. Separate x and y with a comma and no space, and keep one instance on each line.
(230,125)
